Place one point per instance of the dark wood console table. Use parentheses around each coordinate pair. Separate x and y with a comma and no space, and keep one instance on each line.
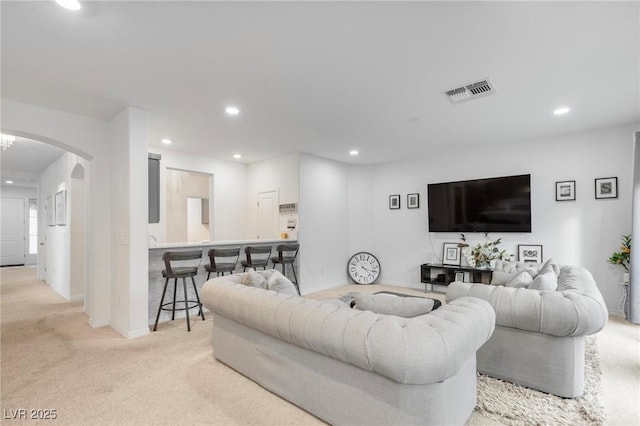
(437,274)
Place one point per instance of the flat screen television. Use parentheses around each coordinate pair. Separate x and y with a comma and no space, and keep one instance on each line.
(501,204)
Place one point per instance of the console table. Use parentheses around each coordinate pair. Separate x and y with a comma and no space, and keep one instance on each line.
(441,275)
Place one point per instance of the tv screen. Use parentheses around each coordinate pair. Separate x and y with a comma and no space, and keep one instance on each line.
(501,204)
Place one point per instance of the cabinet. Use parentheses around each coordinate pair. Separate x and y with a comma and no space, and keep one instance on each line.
(437,274)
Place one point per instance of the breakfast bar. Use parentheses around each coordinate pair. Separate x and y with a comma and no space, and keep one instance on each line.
(156,265)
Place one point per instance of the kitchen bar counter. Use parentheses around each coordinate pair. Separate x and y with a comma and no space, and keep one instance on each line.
(156,265)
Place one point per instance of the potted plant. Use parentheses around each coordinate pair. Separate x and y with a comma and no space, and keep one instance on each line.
(482,255)
(623,257)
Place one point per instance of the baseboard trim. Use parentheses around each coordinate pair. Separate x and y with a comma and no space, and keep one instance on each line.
(98,324)
(77,298)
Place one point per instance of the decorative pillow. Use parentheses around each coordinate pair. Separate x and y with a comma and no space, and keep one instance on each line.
(500,277)
(520,280)
(281,284)
(389,304)
(254,279)
(545,281)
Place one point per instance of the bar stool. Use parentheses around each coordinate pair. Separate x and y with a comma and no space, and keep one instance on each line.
(257,257)
(287,254)
(183,272)
(226,265)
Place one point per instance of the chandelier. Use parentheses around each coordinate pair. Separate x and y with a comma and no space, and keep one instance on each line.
(7,141)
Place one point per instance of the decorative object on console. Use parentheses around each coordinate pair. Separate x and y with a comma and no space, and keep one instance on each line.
(482,254)
(413,201)
(451,254)
(622,257)
(394,202)
(61,208)
(363,268)
(530,253)
(607,188)
(566,190)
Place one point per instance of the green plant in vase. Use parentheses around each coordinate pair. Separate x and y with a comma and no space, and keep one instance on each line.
(623,257)
(481,255)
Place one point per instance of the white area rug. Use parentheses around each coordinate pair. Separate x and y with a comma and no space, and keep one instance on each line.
(515,405)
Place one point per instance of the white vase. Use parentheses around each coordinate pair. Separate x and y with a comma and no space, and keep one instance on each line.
(625,277)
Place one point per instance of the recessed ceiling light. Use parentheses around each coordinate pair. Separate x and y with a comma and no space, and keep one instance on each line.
(561,110)
(237,156)
(8,181)
(69,4)
(232,110)
(353,152)
(166,141)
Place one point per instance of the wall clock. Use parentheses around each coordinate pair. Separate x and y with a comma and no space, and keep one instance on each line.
(363,268)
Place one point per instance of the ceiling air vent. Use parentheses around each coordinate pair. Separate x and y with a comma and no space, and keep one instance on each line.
(471,91)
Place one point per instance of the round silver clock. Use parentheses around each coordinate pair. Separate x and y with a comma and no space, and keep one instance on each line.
(363,268)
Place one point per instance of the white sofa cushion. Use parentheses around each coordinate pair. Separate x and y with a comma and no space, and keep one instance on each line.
(519,280)
(388,304)
(547,281)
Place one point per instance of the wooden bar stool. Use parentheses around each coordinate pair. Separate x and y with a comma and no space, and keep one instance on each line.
(227,260)
(257,257)
(183,272)
(287,254)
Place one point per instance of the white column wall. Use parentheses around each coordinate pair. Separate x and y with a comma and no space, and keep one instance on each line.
(324,229)
(129,294)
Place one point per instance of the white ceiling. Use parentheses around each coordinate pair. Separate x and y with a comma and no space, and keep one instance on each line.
(25,160)
(327,77)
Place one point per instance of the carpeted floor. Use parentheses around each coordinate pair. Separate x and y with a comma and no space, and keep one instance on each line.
(52,360)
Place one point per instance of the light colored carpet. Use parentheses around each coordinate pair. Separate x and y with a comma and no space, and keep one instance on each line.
(516,405)
(52,359)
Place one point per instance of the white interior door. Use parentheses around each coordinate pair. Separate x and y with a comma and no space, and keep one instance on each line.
(12,233)
(268,215)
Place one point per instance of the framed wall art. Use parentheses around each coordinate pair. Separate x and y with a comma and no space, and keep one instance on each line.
(50,211)
(451,254)
(394,202)
(530,253)
(61,208)
(413,201)
(606,188)
(566,190)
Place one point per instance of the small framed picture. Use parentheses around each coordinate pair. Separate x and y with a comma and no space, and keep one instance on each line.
(413,201)
(459,276)
(394,202)
(61,208)
(566,190)
(451,254)
(530,253)
(607,188)
(50,211)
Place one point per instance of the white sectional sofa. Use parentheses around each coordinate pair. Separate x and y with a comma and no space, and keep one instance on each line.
(347,366)
(539,336)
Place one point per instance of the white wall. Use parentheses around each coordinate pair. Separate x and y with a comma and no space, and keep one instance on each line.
(324,230)
(584,232)
(129,213)
(276,174)
(228,194)
(57,239)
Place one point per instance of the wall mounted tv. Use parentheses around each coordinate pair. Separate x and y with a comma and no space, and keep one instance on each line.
(501,204)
